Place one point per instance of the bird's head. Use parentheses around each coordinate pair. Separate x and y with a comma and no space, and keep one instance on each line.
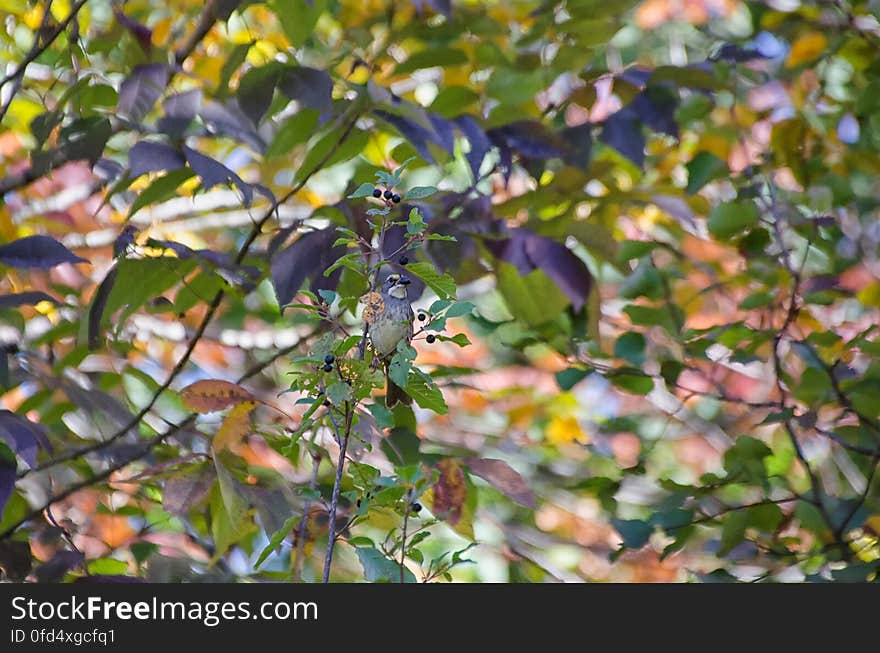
(395,286)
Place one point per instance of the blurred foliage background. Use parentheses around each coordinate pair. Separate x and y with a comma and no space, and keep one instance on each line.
(661,222)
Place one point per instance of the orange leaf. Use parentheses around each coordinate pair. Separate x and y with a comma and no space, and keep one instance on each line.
(449,492)
(806,49)
(212,394)
(235,426)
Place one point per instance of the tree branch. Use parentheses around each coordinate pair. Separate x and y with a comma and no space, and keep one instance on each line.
(36,50)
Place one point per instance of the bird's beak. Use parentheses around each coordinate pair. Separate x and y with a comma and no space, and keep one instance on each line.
(404,281)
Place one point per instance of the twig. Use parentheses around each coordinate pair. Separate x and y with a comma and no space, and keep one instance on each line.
(342,438)
(54,159)
(159,438)
(36,50)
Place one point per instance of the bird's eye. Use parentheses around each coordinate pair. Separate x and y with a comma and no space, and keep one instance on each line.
(392,278)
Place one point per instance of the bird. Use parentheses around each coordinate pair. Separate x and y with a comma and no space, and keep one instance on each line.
(390,321)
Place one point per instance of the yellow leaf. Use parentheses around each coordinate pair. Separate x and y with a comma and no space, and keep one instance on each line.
(211,395)
(236,425)
(563,430)
(806,49)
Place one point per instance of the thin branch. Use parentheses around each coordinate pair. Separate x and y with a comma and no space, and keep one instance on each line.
(159,438)
(206,320)
(342,437)
(206,22)
(37,49)
(54,159)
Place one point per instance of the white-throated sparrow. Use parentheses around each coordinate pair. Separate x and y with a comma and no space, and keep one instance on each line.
(390,318)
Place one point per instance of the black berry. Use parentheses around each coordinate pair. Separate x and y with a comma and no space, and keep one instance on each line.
(327,402)
(431,338)
(395,199)
(328,367)
(416,507)
(422,317)
(403,260)
(358,503)
(329,358)
(387,194)
(377,192)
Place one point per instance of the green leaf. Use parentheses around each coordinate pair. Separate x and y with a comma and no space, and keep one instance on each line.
(567,379)
(339,392)
(141,280)
(631,347)
(379,569)
(364,190)
(731,218)
(426,393)
(635,532)
(733,530)
(744,461)
(443,285)
(637,384)
(276,539)
(296,130)
(702,169)
(419,192)
(107,567)
(161,189)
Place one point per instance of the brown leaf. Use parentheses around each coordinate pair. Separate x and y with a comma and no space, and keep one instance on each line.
(449,492)
(235,426)
(503,478)
(181,493)
(213,394)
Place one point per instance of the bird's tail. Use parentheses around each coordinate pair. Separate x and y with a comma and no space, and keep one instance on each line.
(395,394)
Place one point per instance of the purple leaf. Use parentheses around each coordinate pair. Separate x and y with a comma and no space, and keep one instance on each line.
(623,131)
(306,258)
(29,298)
(480,143)
(530,139)
(60,564)
(182,493)
(180,110)
(147,156)
(256,89)
(580,142)
(139,92)
(445,132)
(417,135)
(656,106)
(142,34)
(213,172)
(23,436)
(311,87)
(184,105)
(232,122)
(7,480)
(528,251)
(562,266)
(99,303)
(36,252)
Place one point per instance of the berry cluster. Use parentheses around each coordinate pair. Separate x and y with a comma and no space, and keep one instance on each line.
(389,195)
